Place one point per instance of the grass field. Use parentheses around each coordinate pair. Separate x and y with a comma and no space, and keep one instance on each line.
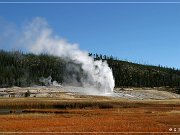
(86,115)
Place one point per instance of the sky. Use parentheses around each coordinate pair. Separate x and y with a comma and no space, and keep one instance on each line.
(143,33)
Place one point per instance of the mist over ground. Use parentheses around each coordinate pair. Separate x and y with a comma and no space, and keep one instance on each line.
(46,55)
(37,37)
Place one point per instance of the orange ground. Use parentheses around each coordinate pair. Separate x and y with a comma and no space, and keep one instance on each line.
(95,120)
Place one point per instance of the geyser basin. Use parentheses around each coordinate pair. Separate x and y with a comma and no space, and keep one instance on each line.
(39,38)
(87,91)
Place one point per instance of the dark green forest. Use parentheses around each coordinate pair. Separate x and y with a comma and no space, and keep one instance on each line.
(20,69)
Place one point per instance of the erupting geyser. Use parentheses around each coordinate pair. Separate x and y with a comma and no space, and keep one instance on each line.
(38,38)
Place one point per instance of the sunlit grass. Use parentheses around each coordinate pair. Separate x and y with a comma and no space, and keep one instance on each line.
(93,120)
(97,102)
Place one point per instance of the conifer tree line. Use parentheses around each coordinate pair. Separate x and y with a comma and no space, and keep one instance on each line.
(19,69)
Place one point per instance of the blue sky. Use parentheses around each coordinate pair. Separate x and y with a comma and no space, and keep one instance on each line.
(145,33)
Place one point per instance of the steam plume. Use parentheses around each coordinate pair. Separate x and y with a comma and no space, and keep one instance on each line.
(38,38)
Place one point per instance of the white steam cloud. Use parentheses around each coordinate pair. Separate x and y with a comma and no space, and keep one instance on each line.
(37,37)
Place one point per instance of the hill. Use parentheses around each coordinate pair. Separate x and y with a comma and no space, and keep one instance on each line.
(19,69)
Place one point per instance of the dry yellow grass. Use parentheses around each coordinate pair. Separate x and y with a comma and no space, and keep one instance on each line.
(141,119)
(92,102)
(119,115)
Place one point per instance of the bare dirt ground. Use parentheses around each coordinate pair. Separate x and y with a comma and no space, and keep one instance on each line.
(69,92)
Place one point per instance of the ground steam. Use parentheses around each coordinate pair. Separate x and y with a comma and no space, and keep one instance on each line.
(37,37)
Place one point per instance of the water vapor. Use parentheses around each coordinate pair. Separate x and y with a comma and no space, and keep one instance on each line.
(38,37)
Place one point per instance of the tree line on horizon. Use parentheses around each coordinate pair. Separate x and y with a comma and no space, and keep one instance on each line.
(19,69)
